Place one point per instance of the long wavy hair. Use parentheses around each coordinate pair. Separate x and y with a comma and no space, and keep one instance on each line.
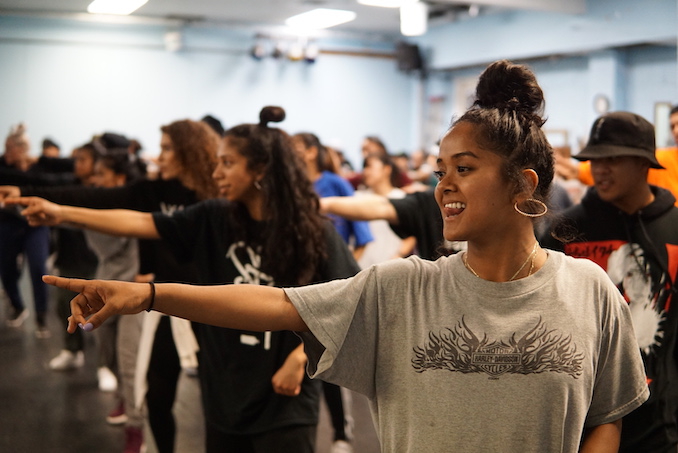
(195,148)
(293,242)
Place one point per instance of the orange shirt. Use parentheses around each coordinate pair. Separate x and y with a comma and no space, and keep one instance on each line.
(668,178)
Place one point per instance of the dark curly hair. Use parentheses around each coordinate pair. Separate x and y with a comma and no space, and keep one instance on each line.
(293,243)
(195,148)
(507,112)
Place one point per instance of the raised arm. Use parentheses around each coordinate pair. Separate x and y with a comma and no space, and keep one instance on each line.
(118,222)
(245,307)
(368,207)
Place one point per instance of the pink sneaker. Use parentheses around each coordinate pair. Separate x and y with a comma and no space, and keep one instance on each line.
(117,416)
(134,440)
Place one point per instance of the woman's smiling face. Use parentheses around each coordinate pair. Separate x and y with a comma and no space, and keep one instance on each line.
(474,197)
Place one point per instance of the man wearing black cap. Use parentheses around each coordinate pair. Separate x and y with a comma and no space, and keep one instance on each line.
(630,229)
(667,157)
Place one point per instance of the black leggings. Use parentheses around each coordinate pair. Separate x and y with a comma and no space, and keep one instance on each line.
(338,412)
(163,376)
(292,439)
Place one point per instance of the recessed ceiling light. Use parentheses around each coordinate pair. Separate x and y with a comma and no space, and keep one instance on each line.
(121,7)
(320,18)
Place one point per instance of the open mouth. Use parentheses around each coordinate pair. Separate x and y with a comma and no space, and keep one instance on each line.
(454,209)
(603,185)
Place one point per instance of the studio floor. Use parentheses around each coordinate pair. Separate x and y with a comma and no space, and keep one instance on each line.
(57,412)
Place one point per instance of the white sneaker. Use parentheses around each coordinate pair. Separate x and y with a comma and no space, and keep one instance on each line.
(107,380)
(16,318)
(341,446)
(66,360)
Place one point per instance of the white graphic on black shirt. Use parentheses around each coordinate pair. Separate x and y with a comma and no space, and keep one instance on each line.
(170,209)
(630,271)
(249,274)
(249,271)
(539,350)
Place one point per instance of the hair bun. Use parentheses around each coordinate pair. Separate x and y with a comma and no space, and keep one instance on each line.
(507,86)
(271,114)
(17,130)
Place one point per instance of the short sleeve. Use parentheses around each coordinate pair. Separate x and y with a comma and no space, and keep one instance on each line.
(620,383)
(343,324)
(182,230)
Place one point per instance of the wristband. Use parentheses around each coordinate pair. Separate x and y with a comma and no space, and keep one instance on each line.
(150,306)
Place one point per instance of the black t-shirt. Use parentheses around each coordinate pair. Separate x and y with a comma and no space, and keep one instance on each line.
(236,366)
(419,216)
(167,196)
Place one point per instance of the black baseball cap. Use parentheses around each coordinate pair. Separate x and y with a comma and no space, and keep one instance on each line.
(621,134)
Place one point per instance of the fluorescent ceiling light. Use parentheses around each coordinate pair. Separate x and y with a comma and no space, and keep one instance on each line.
(320,18)
(413,18)
(121,7)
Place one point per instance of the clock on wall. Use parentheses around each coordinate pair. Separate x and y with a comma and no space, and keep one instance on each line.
(601,104)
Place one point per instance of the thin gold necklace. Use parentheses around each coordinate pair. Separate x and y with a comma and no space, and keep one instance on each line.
(530,258)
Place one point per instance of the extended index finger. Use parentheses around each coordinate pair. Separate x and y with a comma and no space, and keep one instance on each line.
(14,200)
(72,284)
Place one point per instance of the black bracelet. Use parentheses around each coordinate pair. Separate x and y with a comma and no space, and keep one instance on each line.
(150,306)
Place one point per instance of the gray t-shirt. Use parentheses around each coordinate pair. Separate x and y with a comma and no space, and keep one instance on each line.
(451,362)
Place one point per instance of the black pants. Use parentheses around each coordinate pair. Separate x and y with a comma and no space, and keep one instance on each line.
(163,376)
(293,439)
(338,412)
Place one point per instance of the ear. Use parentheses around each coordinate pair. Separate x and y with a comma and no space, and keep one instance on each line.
(259,173)
(531,180)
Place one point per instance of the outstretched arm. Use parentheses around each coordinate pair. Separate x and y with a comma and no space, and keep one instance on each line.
(368,207)
(245,307)
(117,222)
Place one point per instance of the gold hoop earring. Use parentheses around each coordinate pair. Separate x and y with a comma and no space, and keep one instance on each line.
(539,203)
(257,185)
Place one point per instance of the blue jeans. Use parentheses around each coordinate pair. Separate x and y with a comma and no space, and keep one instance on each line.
(17,237)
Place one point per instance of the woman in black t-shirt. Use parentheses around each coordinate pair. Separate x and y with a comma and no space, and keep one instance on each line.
(267,231)
(187,159)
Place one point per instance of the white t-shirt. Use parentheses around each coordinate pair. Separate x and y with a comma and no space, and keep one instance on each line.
(454,363)
(386,244)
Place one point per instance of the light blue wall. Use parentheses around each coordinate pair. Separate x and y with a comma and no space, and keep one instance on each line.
(521,35)
(622,49)
(70,80)
(634,79)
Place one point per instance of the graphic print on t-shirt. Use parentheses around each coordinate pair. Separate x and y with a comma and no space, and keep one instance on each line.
(631,270)
(247,262)
(538,350)
(169,209)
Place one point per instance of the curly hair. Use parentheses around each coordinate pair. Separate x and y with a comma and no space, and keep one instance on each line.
(293,242)
(507,110)
(195,148)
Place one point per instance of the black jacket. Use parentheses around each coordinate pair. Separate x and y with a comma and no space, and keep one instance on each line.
(640,254)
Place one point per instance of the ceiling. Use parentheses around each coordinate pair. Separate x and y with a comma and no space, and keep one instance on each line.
(272,13)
